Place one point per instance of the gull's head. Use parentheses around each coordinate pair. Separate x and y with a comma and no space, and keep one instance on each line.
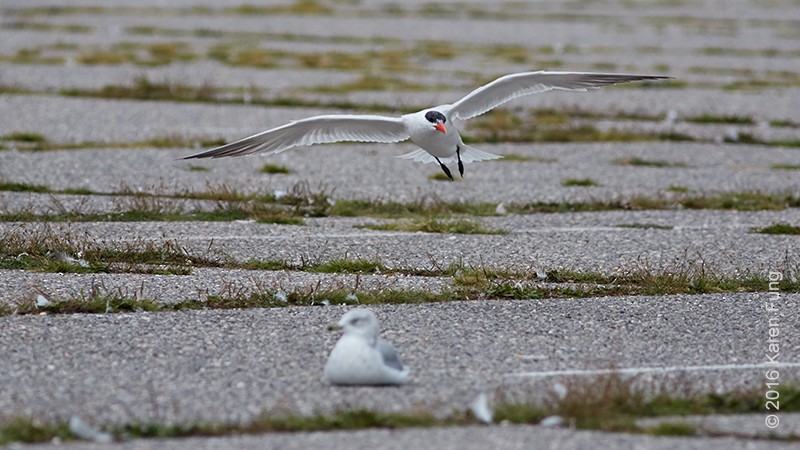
(437,119)
(360,322)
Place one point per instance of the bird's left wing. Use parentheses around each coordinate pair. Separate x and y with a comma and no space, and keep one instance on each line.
(314,130)
(389,355)
(509,87)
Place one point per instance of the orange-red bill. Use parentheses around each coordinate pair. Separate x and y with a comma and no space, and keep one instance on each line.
(440,127)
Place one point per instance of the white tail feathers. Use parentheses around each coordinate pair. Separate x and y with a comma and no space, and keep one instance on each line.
(468,155)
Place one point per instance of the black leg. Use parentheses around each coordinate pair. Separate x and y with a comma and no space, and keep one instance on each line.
(445,169)
(460,164)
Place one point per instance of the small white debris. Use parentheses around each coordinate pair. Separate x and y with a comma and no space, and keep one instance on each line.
(541,274)
(281,296)
(278,194)
(64,257)
(84,431)
(501,209)
(42,301)
(80,261)
(326,302)
(480,408)
(671,117)
(560,390)
(732,135)
(552,422)
(351,298)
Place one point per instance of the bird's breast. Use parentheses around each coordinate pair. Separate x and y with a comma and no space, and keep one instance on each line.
(436,143)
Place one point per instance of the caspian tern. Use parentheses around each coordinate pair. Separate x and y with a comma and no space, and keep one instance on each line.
(431,129)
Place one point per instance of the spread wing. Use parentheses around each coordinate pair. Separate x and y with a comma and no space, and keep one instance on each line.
(314,130)
(509,87)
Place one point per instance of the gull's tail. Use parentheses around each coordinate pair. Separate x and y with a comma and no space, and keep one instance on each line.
(468,155)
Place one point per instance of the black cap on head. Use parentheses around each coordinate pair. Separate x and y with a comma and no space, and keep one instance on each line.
(435,116)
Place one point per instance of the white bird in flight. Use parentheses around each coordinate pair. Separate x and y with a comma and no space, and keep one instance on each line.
(431,129)
(360,357)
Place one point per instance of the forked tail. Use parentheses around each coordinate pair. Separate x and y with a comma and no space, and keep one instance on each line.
(468,155)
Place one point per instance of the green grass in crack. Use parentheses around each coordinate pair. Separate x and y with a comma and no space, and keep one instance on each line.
(581,182)
(468,284)
(609,403)
(344,265)
(778,228)
(614,403)
(9,186)
(425,212)
(785,167)
(439,176)
(98,304)
(516,157)
(275,169)
(645,226)
(714,119)
(312,296)
(566,284)
(678,189)
(26,140)
(432,225)
(422,207)
(47,250)
(145,89)
(647,163)
(30,431)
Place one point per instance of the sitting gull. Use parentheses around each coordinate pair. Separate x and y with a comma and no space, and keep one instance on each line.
(361,357)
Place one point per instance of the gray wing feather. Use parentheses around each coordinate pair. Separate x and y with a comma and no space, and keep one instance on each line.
(509,87)
(389,354)
(314,130)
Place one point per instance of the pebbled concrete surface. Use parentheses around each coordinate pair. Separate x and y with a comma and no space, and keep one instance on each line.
(739,60)
(229,366)
(510,437)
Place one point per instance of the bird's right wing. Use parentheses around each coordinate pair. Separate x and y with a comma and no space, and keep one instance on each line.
(314,130)
(515,85)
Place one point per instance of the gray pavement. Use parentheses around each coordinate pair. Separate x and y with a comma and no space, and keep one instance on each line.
(221,366)
(739,60)
(507,437)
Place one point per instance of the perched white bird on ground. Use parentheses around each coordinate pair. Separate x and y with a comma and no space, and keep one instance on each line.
(431,129)
(361,357)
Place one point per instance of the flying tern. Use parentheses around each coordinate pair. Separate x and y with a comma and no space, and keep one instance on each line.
(431,129)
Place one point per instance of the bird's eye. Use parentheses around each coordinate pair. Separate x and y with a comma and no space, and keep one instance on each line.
(434,116)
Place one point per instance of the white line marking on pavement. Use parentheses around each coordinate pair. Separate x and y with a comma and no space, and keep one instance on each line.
(638,370)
